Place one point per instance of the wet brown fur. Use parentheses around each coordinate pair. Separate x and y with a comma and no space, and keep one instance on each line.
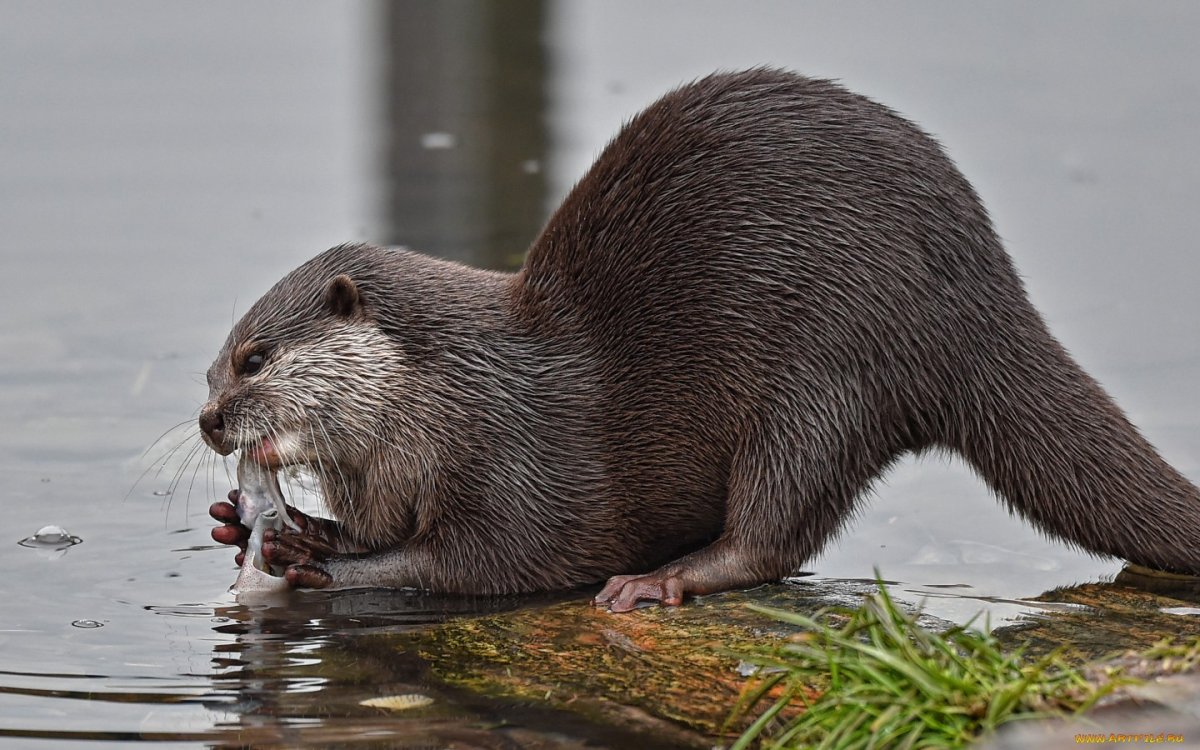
(765,291)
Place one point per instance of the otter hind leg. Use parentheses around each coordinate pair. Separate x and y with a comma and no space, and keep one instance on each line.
(789,493)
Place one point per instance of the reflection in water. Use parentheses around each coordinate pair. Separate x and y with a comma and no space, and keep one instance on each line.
(297,674)
(466,141)
(306,672)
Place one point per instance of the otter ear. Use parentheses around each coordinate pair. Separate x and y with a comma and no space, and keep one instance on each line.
(342,298)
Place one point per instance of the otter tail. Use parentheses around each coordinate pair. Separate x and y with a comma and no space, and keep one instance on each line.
(1053,444)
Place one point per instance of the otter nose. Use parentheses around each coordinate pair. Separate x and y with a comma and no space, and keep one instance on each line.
(213,425)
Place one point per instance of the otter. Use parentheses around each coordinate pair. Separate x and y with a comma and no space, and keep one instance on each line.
(765,291)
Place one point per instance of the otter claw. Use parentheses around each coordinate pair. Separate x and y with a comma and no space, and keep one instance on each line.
(307,576)
(288,548)
(622,593)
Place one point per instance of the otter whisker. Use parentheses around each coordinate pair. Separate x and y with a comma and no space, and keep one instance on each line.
(210,474)
(166,459)
(194,454)
(164,433)
(322,473)
(187,500)
(161,461)
(229,478)
(272,433)
(214,460)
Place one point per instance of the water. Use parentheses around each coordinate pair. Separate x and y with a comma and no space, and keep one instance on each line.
(163,164)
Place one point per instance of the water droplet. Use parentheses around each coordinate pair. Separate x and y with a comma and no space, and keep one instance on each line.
(50,537)
(161,493)
(87,624)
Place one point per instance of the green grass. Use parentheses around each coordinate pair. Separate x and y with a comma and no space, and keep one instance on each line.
(879,680)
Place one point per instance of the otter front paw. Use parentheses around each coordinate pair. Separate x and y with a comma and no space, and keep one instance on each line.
(308,577)
(232,531)
(303,554)
(622,593)
(289,547)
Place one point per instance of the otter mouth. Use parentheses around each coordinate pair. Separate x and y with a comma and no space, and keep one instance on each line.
(269,453)
(264,453)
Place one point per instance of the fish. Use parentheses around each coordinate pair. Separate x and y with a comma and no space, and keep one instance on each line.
(260,506)
(258,489)
(256,577)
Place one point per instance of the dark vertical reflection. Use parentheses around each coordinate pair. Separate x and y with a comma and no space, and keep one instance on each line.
(465,131)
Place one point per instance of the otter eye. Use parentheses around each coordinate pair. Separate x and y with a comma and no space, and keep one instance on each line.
(253,363)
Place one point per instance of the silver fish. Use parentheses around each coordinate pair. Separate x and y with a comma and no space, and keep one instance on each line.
(256,577)
(258,489)
(260,506)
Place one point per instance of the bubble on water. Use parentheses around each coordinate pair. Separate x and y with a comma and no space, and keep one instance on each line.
(50,537)
(87,624)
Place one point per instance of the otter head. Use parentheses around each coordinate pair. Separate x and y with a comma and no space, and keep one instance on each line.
(306,375)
